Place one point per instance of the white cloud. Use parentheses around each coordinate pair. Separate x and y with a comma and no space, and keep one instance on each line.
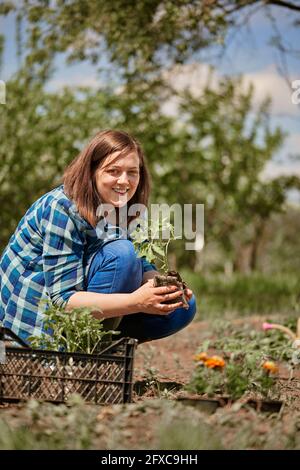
(273,170)
(190,77)
(286,166)
(291,147)
(73,82)
(268,82)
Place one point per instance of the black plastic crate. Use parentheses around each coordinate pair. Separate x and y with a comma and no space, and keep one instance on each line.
(102,378)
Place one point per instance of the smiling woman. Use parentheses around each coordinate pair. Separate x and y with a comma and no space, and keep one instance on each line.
(63,253)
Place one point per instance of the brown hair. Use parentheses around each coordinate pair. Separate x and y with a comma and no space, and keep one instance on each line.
(79,177)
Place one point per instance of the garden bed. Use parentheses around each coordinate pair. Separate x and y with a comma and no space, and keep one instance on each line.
(162,369)
(171,361)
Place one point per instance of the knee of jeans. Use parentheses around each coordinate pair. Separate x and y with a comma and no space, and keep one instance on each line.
(122,249)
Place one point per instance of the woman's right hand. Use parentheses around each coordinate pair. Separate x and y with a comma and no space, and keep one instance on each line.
(148,299)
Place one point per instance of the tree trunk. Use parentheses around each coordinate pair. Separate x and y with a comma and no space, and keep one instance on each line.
(242,259)
(255,245)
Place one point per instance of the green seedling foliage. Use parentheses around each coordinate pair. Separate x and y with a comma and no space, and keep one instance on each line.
(148,240)
(71,331)
(244,351)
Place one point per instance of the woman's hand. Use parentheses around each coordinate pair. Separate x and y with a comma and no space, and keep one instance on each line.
(188,293)
(148,298)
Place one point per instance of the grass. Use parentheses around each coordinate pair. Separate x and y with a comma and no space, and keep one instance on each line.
(240,295)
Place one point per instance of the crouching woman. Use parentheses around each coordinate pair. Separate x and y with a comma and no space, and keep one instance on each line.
(64,253)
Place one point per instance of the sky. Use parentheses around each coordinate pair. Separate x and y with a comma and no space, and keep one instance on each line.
(247,52)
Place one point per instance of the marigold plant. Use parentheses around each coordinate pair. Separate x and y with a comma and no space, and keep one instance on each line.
(245,362)
(270,366)
(201,357)
(214,362)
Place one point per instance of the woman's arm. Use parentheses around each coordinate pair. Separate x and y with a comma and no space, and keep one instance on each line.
(147,299)
(106,305)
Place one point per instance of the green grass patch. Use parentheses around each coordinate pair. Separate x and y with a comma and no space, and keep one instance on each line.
(240,295)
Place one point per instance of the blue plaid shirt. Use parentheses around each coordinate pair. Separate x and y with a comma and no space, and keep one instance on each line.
(47,259)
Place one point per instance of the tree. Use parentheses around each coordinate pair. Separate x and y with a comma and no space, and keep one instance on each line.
(231,144)
(280,248)
(213,153)
(137,36)
(42,132)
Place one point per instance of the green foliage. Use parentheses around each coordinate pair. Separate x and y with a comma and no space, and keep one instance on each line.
(223,173)
(244,351)
(212,154)
(231,153)
(233,381)
(40,134)
(181,432)
(280,251)
(239,342)
(48,426)
(73,331)
(241,295)
(149,240)
(137,37)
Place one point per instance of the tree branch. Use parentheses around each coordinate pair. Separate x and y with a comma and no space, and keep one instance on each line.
(283,4)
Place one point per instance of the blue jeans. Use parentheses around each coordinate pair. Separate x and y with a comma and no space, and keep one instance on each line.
(115,268)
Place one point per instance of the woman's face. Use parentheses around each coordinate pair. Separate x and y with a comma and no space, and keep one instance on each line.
(117,178)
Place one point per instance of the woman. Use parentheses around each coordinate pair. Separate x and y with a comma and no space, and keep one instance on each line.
(61,252)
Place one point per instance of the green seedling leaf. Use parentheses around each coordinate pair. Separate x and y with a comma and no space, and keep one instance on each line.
(148,241)
(71,331)
(157,249)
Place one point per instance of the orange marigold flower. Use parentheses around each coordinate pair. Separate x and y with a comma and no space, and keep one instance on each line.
(214,362)
(202,357)
(270,366)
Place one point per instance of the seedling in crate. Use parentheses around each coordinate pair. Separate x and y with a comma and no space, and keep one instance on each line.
(74,331)
(149,242)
